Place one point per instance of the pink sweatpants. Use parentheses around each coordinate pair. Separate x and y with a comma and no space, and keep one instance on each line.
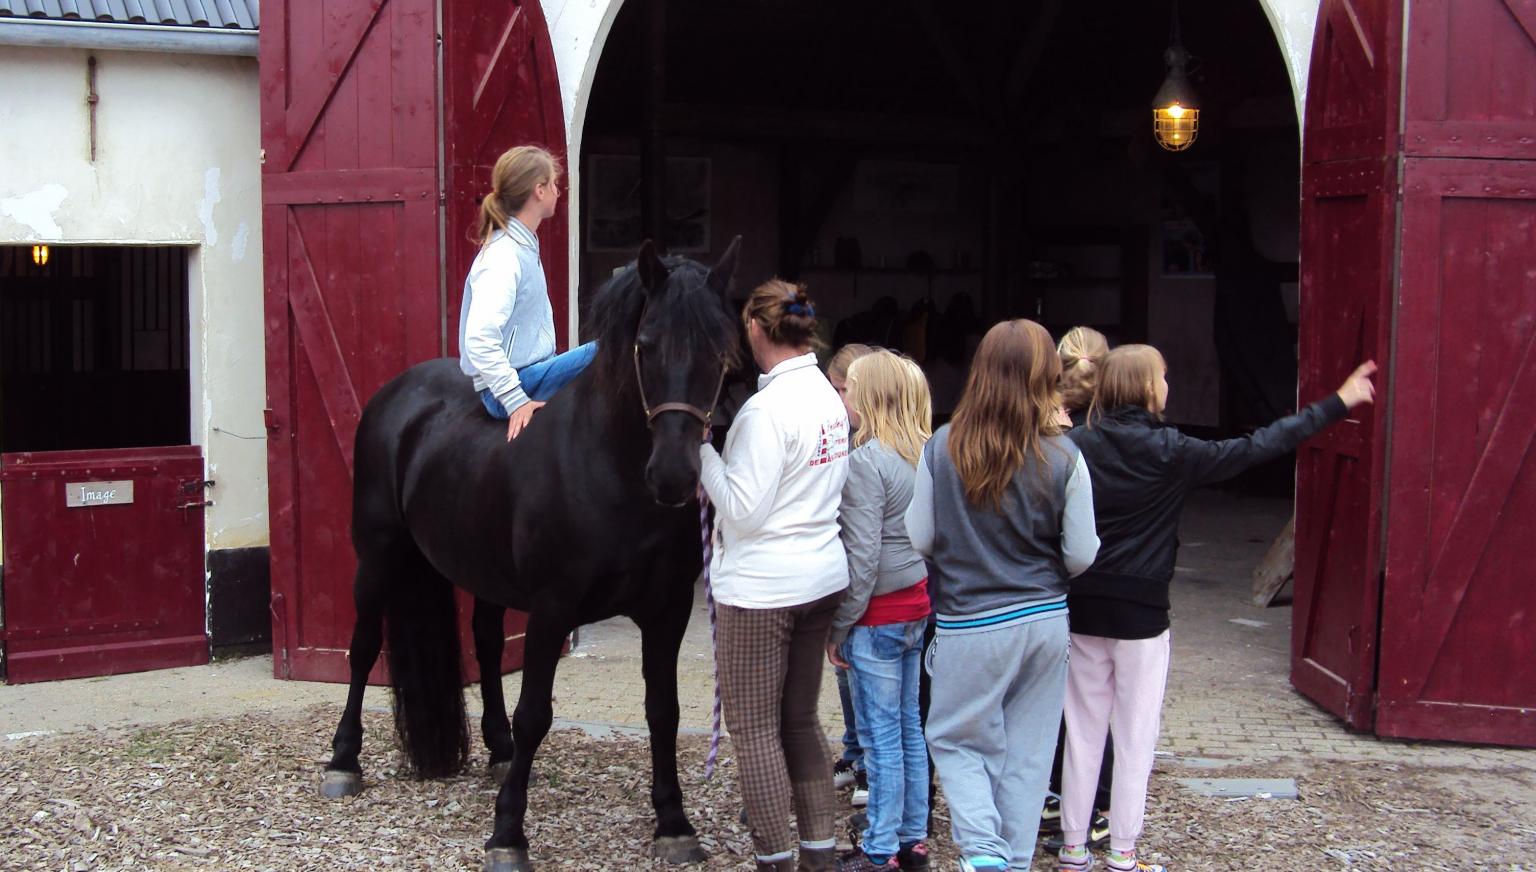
(1113,685)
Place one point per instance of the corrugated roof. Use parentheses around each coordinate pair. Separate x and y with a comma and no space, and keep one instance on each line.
(235,14)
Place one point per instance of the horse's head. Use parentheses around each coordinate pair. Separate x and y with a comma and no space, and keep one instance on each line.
(666,340)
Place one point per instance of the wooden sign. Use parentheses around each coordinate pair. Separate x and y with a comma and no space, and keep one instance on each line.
(84,494)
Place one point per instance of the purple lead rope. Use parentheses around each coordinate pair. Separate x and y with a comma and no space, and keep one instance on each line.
(709,598)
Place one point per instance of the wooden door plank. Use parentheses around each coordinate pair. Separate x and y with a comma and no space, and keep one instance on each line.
(1524,12)
(312,321)
(316,83)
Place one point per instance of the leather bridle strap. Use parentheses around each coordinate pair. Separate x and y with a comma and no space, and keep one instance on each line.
(651,412)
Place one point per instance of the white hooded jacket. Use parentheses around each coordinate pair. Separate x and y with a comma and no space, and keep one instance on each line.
(776,496)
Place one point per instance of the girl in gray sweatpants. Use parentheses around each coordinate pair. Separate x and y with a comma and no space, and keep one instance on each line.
(1005,529)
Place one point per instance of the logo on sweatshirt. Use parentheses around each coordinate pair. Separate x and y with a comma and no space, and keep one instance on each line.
(832,444)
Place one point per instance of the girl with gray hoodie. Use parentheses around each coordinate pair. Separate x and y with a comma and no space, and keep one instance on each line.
(877,633)
(1003,505)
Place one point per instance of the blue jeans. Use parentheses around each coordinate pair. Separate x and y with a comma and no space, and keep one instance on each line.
(852,753)
(543,379)
(886,664)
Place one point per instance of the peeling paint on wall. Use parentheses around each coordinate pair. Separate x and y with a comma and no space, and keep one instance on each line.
(35,210)
(205,206)
(242,236)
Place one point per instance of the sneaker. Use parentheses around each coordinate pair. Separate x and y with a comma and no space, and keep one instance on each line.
(1119,862)
(984,863)
(1098,835)
(1098,831)
(1050,815)
(913,858)
(858,822)
(860,789)
(858,861)
(843,774)
(1074,858)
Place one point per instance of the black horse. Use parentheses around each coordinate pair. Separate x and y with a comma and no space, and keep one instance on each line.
(590,513)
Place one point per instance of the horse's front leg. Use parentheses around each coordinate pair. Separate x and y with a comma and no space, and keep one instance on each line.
(507,848)
(661,636)
(490,640)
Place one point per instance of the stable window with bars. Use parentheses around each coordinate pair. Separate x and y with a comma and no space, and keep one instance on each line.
(93,348)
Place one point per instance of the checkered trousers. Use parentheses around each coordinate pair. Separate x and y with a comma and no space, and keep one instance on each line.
(771,662)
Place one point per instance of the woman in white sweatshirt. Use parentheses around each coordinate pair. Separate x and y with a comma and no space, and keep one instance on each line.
(779,572)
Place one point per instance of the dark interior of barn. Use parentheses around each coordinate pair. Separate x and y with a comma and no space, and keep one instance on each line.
(928,169)
(93,347)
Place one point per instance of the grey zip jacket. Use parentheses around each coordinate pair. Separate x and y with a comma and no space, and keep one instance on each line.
(881,558)
(507,321)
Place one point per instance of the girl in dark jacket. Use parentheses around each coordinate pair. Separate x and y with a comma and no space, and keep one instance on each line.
(1142,471)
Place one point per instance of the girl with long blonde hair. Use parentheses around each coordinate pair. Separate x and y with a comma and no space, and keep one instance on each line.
(1003,506)
(1142,472)
(877,633)
(506,323)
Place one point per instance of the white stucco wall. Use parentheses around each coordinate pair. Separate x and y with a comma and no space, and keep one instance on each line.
(177,163)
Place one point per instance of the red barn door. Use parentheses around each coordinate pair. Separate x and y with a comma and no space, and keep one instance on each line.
(1349,180)
(355,284)
(1458,638)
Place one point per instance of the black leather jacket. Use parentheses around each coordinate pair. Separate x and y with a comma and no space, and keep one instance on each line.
(1142,470)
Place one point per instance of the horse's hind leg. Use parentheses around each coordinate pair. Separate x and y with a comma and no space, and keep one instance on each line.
(495,729)
(343,775)
(507,848)
(661,637)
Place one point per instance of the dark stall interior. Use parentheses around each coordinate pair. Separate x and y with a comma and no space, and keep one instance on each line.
(928,169)
(93,347)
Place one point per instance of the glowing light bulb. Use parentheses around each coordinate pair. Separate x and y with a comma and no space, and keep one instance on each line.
(1176,111)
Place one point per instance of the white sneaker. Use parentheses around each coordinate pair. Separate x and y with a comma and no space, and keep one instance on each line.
(860,797)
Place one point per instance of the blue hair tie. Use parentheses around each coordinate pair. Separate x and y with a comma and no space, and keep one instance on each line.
(800,309)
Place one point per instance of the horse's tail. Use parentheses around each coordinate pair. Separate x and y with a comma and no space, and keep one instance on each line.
(423,633)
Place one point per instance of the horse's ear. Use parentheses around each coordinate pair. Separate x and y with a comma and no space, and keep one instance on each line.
(653,273)
(721,273)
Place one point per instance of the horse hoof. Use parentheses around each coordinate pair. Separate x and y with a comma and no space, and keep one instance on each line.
(500,771)
(506,860)
(339,783)
(678,850)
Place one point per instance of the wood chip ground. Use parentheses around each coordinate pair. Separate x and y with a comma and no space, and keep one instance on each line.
(241,794)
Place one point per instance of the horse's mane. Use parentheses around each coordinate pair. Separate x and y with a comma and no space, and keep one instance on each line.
(690,316)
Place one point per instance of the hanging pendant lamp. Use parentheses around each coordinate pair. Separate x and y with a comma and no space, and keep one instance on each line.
(1175,110)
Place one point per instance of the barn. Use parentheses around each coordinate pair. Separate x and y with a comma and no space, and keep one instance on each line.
(1360,184)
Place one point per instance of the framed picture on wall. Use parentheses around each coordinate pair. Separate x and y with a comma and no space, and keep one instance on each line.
(881,186)
(612,186)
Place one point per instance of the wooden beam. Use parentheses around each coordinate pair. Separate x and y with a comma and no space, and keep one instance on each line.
(1028,59)
(958,62)
(653,152)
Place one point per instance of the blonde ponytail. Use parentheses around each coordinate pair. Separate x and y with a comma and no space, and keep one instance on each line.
(516,173)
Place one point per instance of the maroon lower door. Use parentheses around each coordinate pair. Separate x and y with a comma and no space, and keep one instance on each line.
(103,562)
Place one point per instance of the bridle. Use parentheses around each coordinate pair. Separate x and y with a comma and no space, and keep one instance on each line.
(651,412)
